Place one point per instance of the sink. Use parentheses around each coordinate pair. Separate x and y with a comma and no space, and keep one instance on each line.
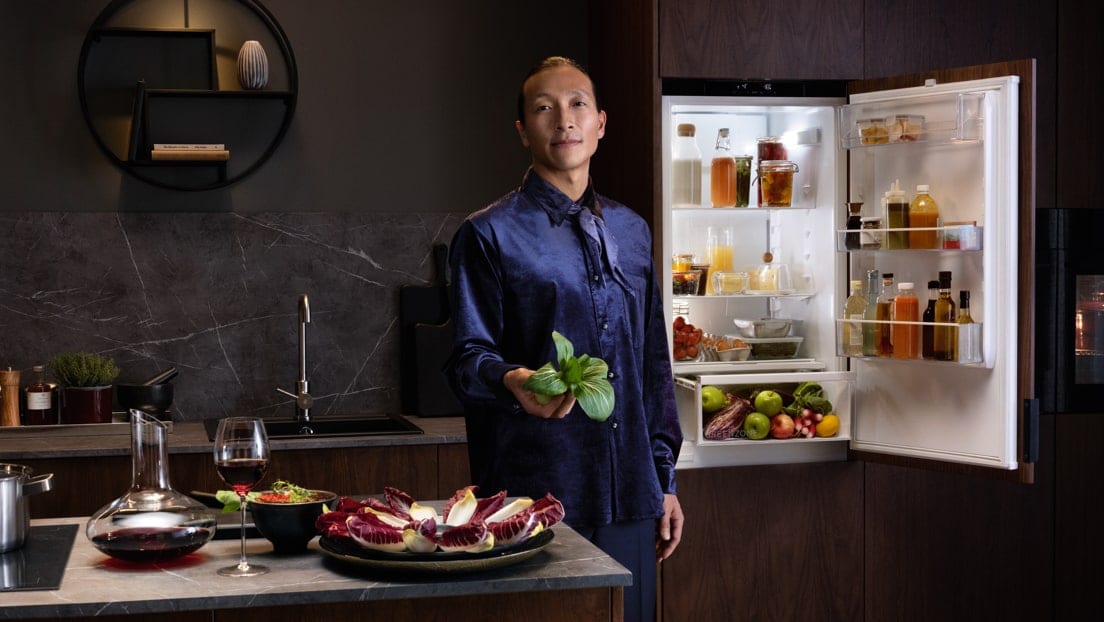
(378,424)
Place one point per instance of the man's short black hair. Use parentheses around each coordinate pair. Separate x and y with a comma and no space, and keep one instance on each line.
(549,63)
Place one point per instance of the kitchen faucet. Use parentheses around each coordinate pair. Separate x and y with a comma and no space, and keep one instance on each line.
(303,399)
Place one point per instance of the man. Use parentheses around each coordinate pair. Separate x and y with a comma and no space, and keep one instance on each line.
(555,255)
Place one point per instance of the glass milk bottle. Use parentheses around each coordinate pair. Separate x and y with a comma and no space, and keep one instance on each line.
(686,169)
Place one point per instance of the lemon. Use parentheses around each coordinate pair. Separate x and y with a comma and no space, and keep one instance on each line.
(828,426)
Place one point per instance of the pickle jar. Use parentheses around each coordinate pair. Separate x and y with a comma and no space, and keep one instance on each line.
(776,178)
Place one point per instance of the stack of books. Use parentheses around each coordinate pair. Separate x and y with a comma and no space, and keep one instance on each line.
(190,151)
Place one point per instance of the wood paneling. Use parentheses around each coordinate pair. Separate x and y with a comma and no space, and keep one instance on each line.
(800,39)
(1078,509)
(944,546)
(768,543)
(453,470)
(1080,100)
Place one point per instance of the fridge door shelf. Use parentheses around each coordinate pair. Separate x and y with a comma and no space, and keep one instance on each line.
(948,118)
(685,368)
(786,293)
(985,361)
(951,238)
(837,388)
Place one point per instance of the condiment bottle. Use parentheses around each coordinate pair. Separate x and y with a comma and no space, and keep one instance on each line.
(945,338)
(870,334)
(9,397)
(686,168)
(853,311)
(923,213)
(969,333)
(927,333)
(722,173)
(884,314)
(852,239)
(40,402)
(906,335)
(898,215)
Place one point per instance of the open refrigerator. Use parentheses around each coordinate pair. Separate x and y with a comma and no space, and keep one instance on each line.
(959,138)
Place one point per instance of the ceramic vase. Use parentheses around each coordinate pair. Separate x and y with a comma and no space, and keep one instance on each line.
(86,404)
(252,66)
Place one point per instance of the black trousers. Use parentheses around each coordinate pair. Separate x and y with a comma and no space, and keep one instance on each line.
(633,546)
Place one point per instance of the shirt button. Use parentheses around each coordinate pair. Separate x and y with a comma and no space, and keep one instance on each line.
(611,375)
(596,277)
(614,425)
(605,325)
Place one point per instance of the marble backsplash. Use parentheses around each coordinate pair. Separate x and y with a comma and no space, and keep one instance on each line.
(216,296)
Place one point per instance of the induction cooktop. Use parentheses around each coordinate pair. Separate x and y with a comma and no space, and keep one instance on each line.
(40,563)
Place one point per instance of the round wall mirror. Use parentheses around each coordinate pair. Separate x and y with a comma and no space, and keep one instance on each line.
(161,90)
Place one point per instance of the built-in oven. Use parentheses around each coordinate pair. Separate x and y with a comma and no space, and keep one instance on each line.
(1069,307)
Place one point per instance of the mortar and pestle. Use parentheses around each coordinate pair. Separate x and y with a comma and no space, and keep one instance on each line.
(153,396)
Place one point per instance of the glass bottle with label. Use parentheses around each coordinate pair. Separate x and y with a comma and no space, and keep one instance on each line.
(686,168)
(923,213)
(883,334)
(851,240)
(898,217)
(927,333)
(722,173)
(906,334)
(853,309)
(969,333)
(945,338)
(40,399)
(870,334)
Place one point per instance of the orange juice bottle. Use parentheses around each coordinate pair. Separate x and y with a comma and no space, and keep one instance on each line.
(719,253)
(923,212)
(906,337)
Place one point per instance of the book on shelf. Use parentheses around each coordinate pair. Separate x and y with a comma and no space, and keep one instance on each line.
(189,146)
(213,155)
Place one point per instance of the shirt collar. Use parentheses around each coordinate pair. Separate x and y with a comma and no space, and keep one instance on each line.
(555,202)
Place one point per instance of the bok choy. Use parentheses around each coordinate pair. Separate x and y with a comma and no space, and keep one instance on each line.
(584,376)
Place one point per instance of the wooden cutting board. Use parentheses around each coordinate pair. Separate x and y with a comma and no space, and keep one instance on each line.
(426,305)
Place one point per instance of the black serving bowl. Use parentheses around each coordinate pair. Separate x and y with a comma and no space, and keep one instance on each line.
(154,399)
(290,526)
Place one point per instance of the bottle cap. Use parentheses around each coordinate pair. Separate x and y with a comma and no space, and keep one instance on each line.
(686,129)
(895,192)
(722,132)
(964,298)
(856,284)
(933,284)
(945,279)
(905,285)
(922,188)
(887,275)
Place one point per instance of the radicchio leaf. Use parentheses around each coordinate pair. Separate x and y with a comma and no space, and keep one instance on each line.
(332,524)
(381,507)
(419,512)
(462,510)
(517,505)
(398,499)
(371,532)
(514,529)
(472,537)
(393,520)
(548,510)
(421,536)
(490,505)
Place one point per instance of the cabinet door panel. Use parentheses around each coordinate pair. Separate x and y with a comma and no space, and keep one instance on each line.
(800,40)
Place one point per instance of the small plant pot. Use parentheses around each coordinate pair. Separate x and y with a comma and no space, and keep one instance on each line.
(290,526)
(86,404)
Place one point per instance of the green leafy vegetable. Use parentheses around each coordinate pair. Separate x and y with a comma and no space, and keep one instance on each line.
(584,376)
(289,492)
(808,395)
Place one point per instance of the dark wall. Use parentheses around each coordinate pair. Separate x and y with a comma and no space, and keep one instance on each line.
(404,124)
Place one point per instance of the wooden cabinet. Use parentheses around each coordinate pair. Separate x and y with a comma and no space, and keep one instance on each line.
(1080,100)
(798,40)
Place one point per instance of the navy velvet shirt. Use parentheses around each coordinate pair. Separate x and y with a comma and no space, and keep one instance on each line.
(521,268)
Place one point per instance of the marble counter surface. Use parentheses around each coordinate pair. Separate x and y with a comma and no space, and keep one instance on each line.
(190,437)
(96,585)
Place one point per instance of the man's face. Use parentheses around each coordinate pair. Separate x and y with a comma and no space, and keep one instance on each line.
(562,123)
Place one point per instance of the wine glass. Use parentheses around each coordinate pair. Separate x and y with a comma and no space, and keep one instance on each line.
(241,459)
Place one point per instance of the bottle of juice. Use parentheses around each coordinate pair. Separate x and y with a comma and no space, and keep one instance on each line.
(906,337)
(883,335)
(870,333)
(719,253)
(853,309)
(945,338)
(927,332)
(897,213)
(686,168)
(923,212)
(722,175)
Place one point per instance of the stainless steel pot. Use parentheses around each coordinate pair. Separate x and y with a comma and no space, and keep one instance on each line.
(17,482)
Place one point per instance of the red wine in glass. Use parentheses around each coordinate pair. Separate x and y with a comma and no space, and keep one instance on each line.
(241,474)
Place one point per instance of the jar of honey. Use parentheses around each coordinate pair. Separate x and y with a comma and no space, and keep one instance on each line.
(776,182)
(681,262)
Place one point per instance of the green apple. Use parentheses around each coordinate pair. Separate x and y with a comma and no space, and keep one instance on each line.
(757,425)
(768,402)
(712,398)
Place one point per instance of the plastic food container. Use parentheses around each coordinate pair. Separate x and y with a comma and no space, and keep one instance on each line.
(774,348)
(729,283)
(685,283)
(904,127)
(776,182)
(769,328)
(872,131)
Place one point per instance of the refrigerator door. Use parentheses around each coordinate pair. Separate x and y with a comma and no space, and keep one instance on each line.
(966,149)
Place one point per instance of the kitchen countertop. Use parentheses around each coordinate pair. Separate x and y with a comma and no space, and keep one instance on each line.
(94,585)
(190,437)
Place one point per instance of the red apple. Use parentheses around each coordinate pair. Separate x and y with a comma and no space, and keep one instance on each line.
(782,426)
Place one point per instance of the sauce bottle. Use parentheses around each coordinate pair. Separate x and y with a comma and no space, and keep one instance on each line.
(853,311)
(927,333)
(870,334)
(852,240)
(884,314)
(686,168)
(906,336)
(969,333)
(722,173)
(923,212)
(40,403)
(898,216)
(944,338)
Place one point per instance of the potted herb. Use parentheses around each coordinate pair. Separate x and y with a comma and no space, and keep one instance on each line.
(85,381)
